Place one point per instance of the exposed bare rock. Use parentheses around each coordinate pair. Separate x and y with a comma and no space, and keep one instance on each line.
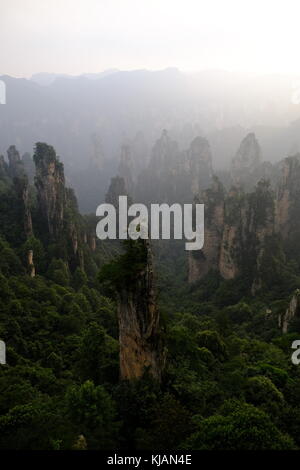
(262,228)
(57,206)
(141,345)
(31,267)
(292,311)
(17,173)
(234,216)
(27,212)
(50,183)
(237,229)
(208,258)
(227,266)
(287,195)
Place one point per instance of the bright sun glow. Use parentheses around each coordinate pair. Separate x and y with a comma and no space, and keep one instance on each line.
(74,36)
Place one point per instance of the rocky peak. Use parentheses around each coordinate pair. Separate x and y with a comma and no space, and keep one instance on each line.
(15,165)
(237,225)
(140,336)
(50,183)
(246,160)
(18,174)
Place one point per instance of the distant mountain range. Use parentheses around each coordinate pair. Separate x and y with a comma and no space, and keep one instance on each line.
(88,117)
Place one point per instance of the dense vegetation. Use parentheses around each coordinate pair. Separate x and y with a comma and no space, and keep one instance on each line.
(228,384)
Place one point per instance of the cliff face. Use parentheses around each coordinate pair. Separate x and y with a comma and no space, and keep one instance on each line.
(57,206)
(23,191)
(46,217)
(287,206)
(231,234)
(17,172)
(242,227)
(200,263)
(261,231)
(141,345)
(237,226)
(140,336)
(50,184)
(291,312)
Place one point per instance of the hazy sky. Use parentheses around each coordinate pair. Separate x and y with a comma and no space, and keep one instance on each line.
(75,36)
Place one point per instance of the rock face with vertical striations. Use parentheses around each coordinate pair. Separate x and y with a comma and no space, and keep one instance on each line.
(291,312)
(200,263)
(252,234)
(57,206)
(287,197)
(48,213)
(31,267)
(231,234)
(238,226)
(23,189)
(18,174)
(140,335)
(50,184)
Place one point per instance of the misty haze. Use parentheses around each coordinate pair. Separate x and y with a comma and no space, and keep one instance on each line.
(128,344)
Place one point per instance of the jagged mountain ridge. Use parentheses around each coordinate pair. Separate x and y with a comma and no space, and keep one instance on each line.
(83,118)
(243,226)
(48,209)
